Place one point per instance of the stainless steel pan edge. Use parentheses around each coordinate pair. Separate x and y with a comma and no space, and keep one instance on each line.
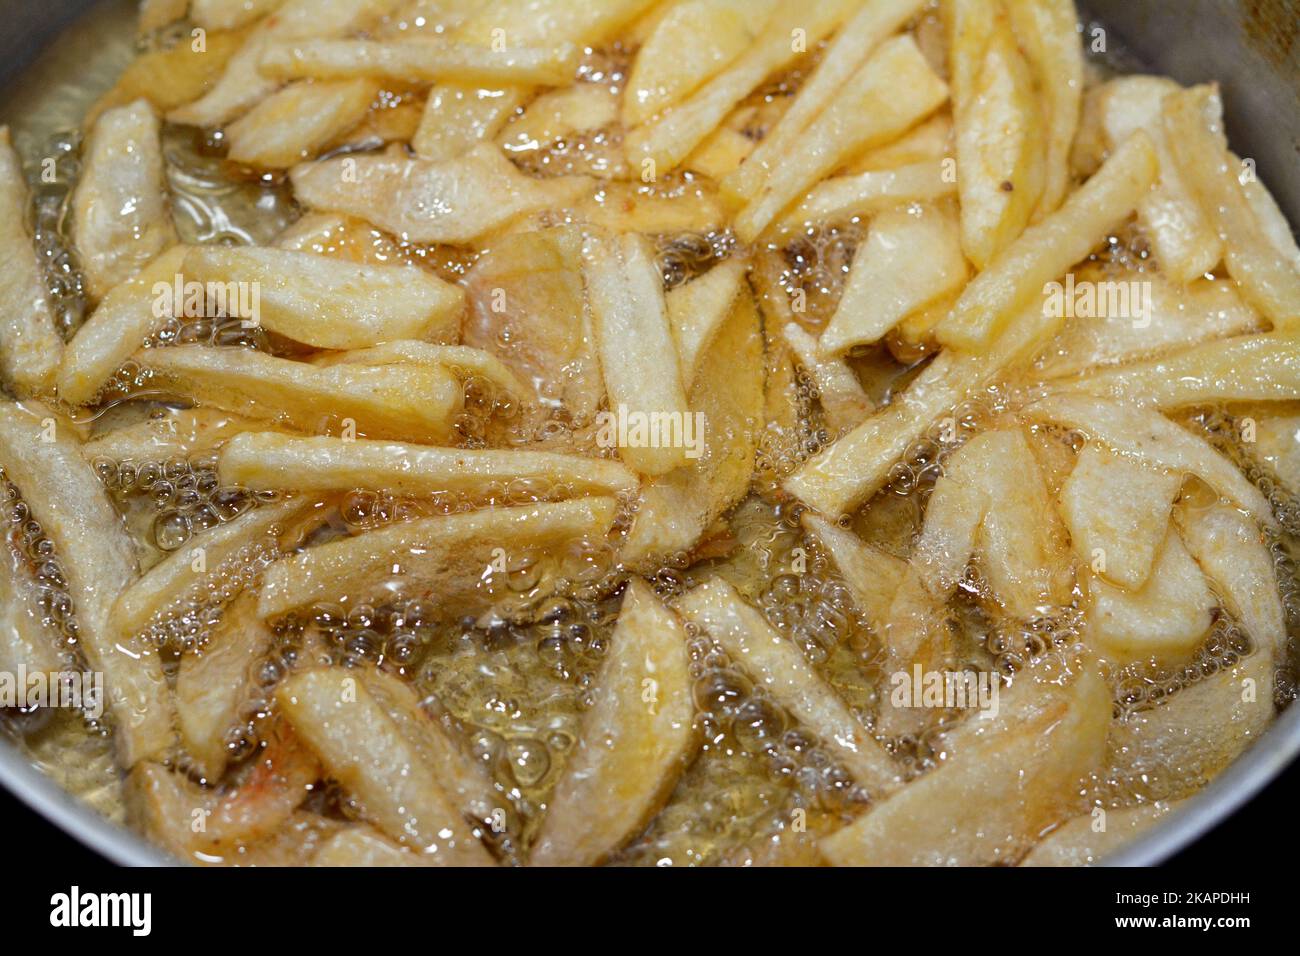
(1251,47)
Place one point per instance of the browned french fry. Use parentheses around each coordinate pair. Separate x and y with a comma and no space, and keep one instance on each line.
(29,345)
(779,665)
(416,403)
(1080,842)
(463,558)
(698,309)
(294,123)
(43,459)
(634,743)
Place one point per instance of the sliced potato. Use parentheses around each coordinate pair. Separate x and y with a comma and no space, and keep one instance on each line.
(838,389)
(912,257)
(293,124)
(779,666)
(411,402)
(1278,446)
(636,207)
(1117,510)
(634,743)
(170,433)
(873,576)
(29,345)
(363,845)
(29,643)
(930,142)
(229,14)
(557,114)
(155,14)
(465,559)
(698,309)
(458,116)
(120,214)
(1087,840)
(530,23)
(842,198)
(463,360)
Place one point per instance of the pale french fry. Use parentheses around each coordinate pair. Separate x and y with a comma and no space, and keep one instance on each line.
(634,207)
(698,309)
(229,14)
(780,667)
(894,90)
(1246,368)
(912,256)
(120,215)
(930,142)
(853,44)
(211,685)
(364,749)
(915,633)
(1164,620)
(846,197)
(1117,510)
(1231,551)
(120,325)
(419,60)
(457,117)
(160,803)
(873,576)
(275,461)
(1010,779)
(721,153)
(207,557)
(637,352)
(1268,277)
(999,135)
(363,845)
(557,114)
(556,21)
(43,459)
(28,642)
(1046,250)
(635,740)
(1183,238)
(1080,842)
(29,345)
(1270,218)
(727,398)
(416,403)
(329,303)
(689,45)
(1278,446)
(465,361)
(664,142)
(294,123)
(455,201)
(452,556)
(1147,435)
(172,433)
(838,388)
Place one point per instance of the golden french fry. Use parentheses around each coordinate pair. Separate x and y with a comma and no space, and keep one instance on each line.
(912,257)
(843,198)
(454,201)
(838,388)
(294,123)
(780,667)
(459,116)
(327,302)
(416,403)
(633,207)
(698,309)
(1046,250)
(1010,779)
(172,433)
(365,750)
(635,741)
(637,353)
(1080,842)
(120,325)
(1117,510)
(892,91)
(29,345)
(466,361)
(120,215)
(465,559)
(555,21)
(930,142)
(44,461)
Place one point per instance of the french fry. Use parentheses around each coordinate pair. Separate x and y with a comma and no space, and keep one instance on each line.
(555,115)
(1231,551)
(465,361)
(1246,368)
(843,198)
(853,44)
(894,90)
(29,345)
(1164,620)
(418,60)
(208,557)
(329,303)
(635,740)
(556,21)
(229,14)
(364,749)
(912,256)
(120,216)
(698,309)
(1079,842)
(455,201)
(873,576)
(677,508)
(633,207)
(780,667)
(120,325)
(669,139)
(1268,277)
(264,801)
(275,461)
(415,403)
(28,643)
(155,14)
(451,556)
(930,142)
(363,845)
(1183,238)
(1270,218)
(1277,444)
(1147,435)
(1117,510)
(1013,777)
(838,388)
(294,123)
(637,352)
(172,433)
(459,116)
(98,560)
(1046,250)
